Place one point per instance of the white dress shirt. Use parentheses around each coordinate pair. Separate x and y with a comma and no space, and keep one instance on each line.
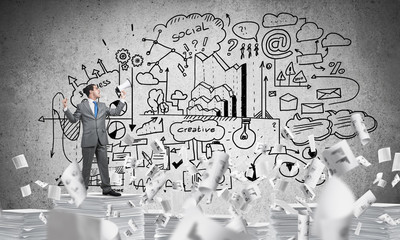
(91,104)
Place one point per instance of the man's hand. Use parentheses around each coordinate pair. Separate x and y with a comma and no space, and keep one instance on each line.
(123,94)
(64,102)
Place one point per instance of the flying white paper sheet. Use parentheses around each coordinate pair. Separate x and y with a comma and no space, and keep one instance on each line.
(311,143)
(307,191)
(339,158)
(54,192)
(378,177)
(109,210)
(43,218)
(361,129)
(128,139)
(132,225)
(314,172)
(177,185)
(364,202)
(363,161)
(396,162)
(156,183)
(358,228)
(20,161)
(41,184)
(303,226)
(26,190)
(162,220)
(73,182)
(157,146)
(130,162)
(384,155)
(287,134)
(261,148)
(236,200)
(386,218)
(382,183)
(251,193)
(153,169)
(396,180)
(209,197)
(214,173)
(131,203)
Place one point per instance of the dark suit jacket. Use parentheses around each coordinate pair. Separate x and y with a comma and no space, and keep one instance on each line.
(94,129)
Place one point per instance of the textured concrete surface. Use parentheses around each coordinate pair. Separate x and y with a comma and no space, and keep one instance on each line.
(44,42)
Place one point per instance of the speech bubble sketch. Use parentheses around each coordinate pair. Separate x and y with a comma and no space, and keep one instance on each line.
(335,40)
(280,20)
(276,44)
(309,31)
(199,33)
(303,127)
(199,130)
(246,30)
(342,127)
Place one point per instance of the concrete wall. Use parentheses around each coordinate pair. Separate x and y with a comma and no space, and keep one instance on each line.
(52,49)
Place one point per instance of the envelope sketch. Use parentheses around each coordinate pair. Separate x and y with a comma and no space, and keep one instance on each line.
(312,108)
(329,93)
(288,102)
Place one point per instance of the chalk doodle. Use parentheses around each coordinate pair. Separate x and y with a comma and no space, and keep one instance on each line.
(205,83)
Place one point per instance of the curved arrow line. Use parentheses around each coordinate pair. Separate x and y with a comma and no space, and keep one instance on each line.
(52,116)
(320,67)
(327,51)
(52,142)
(229,22)
(62,138)
(295,151)
(358,88)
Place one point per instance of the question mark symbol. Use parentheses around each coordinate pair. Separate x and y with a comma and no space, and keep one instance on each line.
(241,28)
(274,125)
(234,43)
(195,42)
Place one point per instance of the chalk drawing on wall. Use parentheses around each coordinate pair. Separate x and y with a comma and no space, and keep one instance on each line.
(211,85)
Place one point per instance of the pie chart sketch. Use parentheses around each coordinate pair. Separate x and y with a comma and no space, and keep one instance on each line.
(116,130)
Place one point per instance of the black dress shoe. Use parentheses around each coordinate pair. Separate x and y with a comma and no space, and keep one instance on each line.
(112,193)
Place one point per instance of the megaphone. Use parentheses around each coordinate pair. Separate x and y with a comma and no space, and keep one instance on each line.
(125,85)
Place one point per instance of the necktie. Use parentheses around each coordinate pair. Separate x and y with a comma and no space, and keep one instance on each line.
(95,109)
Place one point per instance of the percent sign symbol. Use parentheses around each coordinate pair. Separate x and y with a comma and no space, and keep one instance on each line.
(336,68)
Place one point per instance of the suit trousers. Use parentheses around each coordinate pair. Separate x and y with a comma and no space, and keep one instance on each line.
(102,163)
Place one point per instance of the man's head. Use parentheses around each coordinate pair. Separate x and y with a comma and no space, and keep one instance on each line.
(92,91)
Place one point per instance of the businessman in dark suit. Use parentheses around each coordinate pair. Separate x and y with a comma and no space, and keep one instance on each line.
(93,115)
